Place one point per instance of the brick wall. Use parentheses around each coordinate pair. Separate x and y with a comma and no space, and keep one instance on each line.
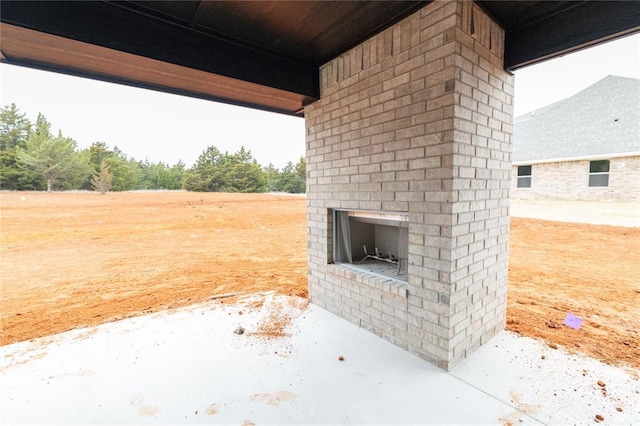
(418,119)
(569,180)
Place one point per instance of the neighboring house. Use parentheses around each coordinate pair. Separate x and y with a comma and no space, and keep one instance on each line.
(586,147)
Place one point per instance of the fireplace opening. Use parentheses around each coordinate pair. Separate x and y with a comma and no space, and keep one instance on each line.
(376,242)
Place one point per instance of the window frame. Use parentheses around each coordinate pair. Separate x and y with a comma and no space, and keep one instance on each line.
(595,183)
(527,179)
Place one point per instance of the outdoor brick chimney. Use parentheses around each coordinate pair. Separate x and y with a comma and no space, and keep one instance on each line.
(417,121)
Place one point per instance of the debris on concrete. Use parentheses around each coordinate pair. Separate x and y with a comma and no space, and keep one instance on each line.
(239,330)
(604,388)
(227,295)
(277,380)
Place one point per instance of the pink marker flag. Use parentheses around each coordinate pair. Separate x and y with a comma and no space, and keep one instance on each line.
(572,321)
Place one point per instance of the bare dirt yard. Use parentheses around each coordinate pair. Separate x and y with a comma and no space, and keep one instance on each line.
(71,260)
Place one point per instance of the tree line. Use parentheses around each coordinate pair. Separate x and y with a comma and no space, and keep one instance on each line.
(33,158)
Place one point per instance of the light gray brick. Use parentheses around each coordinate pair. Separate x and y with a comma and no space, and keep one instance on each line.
(417,119)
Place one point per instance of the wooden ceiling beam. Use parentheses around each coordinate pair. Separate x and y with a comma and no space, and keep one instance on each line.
(110,26)
(25,47)
(583,25)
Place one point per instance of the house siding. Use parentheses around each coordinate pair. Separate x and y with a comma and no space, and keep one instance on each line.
(569,180)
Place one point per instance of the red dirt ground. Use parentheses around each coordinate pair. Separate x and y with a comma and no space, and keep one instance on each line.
(591,271)
(72,260)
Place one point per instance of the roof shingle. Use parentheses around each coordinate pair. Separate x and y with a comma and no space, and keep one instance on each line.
(602,119)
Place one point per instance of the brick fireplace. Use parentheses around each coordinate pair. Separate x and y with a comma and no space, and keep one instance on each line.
(414,127)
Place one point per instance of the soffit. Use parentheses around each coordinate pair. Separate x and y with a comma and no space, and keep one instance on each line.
(263,54)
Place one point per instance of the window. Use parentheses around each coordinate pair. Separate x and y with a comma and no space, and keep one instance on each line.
(524,176)
(599,173)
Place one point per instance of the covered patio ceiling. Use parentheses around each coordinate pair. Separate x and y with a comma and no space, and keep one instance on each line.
(263,54)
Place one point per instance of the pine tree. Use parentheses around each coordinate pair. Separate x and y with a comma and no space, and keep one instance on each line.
(243,173)
(54,159)
(14,130)
(101,180)
(290,178)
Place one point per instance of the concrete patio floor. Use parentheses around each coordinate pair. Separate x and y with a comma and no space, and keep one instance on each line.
(187,366)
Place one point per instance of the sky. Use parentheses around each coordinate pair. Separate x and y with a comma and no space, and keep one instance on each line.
(161,127)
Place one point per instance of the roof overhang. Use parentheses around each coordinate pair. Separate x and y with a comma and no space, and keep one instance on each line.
(34,49)
(263,54)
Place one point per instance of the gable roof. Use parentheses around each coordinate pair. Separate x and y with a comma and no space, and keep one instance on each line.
(601,120)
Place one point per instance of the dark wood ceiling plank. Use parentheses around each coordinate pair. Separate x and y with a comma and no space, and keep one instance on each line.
(311,31)
(572,29)
(512,15)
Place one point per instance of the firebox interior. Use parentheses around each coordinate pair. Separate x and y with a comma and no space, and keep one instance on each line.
(375,242)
